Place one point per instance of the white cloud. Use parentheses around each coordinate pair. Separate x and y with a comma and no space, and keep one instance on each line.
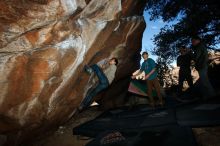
(154,27)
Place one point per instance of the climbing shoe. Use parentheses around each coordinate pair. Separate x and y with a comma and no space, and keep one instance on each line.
(88,69)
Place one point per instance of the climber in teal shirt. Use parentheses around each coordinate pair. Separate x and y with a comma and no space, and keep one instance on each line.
(147,66)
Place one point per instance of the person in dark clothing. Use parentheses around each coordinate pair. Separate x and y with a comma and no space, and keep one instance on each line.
(201,65)
(184,62)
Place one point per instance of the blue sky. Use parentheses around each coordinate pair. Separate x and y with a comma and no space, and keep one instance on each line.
(153,28)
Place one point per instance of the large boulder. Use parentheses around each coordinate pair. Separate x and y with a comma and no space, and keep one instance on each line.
(44,45)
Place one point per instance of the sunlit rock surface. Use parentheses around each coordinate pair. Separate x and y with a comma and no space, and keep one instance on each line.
(44,45)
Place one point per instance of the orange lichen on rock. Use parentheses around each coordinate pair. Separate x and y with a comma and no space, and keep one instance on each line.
(32,37)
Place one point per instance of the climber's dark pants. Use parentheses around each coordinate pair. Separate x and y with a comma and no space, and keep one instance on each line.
(103,84)
(205,87)
(185,74)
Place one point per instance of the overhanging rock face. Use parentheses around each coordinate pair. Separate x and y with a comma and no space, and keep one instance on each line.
(44,45)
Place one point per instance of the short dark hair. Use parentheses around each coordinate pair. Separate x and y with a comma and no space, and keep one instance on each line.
(196,38)
(144,53)
(116,60)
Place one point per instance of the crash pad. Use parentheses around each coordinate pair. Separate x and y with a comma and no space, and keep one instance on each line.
(131,120)
(206,113)
(139,87)
(169,135)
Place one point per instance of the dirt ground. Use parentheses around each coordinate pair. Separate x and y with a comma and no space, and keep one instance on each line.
(207,136)
(64,135)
